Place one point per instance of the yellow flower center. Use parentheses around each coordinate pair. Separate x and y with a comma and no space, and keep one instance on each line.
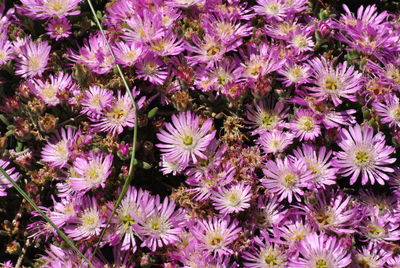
(215,240)
(300,41)
(268,119)
(117,113)
(290,180)
(331,83)
(321,263)
(306,123)
(271,259)
(362,158)
(272,8)
(187,140)
(34,64)
(233,199)
(375,230)
(212,50)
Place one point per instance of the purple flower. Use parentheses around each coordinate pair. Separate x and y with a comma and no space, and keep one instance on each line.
(296,74)
(318,163)
(4,182)
(216,234)
(128,54)
(118,114)
(51,90)
(373,256)
(95,100)
(321,251)
(265,254)
(151,68)
(364,153)
(162,225)
(168,45)
(269,213)
(389,111)
(275,141)
(33,58)
(59,28)
(334,83)
(143,27)
(43,9)
(233,199)
(58,150)
(306,125)
(89,221)
(91,172)
(185,139)
(285,178)
(6,51)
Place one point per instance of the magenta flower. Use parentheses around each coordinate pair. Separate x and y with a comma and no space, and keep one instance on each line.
(275,141)
(233,199)
(374,256)
(265,254)
(318,163)
(185,139)
(321,251)
(43,9)
(269,213)
(286,178)
(389,111)
(118,115)
(95,100)
(364,153)
(59,28)
(145,27)
(162,225)
(89,221)
(306,126)
(334,83)
(129,54)
(33,59)
(91,172)
(6,51)
(51,90)
(58,150)
(296,74)
(168,45)
(151,68)
(4,182)
(216,234)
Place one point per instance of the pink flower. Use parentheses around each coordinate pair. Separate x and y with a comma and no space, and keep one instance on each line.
(33,59)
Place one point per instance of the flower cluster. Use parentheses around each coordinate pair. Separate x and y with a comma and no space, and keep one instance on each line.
(256,133)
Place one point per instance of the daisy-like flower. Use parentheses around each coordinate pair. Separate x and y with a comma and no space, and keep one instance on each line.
(89,221)
(216,234)
(33,58)
(168,166)
(168,45)
(143,28)
(118,115)
(389,111)
(364,153)
(296,74)
(301,40)
(271,9)
(285,178)
(319,163)
(129,54)
(58,150)
(51,8)
(185,139)
(372,256)
(4,182)
(269,213)
(209,50)
(64,211)
(162,225)
(151,68)
(95,100)
(184,3)
(6,51)
(293,231)
(263,116)
(334,83)
(306,125)
(233,199)
(59,28)
(91,172)
(266,254)
(50,90)
(333,212)
(321,251)
(135,206)
(275,141)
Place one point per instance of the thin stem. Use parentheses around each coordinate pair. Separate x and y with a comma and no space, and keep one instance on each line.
(32,203)
(135,109)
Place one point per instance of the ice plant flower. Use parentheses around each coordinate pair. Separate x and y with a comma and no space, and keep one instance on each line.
(319,163)
(334,83)
(151,68)
(364,154)
(4,182)
(118,115)
(33,58)
(389,111)
(216,234)
(89,221)
(6,51)
(58,150)
(128,54)
(275,141)
(321,251)
(95,100)
(186,138)
(306,126)
(59,28)
(162,224)
(286,178)
(51,8)
(233,199)
(91,172)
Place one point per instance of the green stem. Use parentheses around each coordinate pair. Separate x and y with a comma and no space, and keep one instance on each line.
(32,203)
(135,109)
